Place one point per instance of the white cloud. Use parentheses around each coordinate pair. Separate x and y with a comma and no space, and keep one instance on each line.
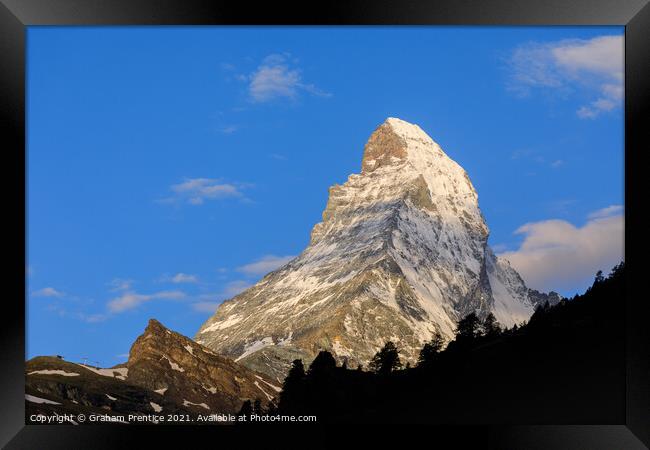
(265,264)
(184,278)
(611,210)
(556,255)
(601,55)
(48,292)
(130,300)
(595,65)
(195,191)
(276,77)
(119,284)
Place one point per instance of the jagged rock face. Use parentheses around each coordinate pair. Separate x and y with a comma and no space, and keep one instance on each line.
(191,375)
(401,253)
(166,373)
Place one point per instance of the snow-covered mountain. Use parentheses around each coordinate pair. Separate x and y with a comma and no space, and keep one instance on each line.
(400,253)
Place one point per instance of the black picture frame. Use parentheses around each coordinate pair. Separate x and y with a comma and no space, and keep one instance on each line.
(16,15)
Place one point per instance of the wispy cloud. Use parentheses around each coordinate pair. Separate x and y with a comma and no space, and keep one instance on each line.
(611,210)
(195,191)
(595,65)
(527,154)
(228,129)
(66,311)
(180,278)
(265,264)
(210,302)
(130,300)
(92,318)
(277,77)
(120,284)
(557,255)
(48,292)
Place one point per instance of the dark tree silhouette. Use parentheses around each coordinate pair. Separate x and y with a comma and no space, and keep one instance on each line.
(431,350)
(514,376)
(491,327)
(293,386)
(386,360)
(540,312)
(617,271)
(469,327)
(599,277)
(296,373)
(322,364)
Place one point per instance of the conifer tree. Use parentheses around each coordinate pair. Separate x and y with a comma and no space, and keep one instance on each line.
(469,327)
(386,360)
(322,364)
(430,351)
(290,396)
(490,326)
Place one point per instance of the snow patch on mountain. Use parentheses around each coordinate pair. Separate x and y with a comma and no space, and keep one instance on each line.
(34,399)
(156,407)
(54,372)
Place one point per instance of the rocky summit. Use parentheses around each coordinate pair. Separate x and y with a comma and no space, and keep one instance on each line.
(401,253)
(166,373)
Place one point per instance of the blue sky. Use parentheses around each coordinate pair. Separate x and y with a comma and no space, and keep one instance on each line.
(169,168)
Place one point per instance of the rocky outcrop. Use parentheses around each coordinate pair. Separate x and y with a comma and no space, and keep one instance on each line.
(166,373)
(191,375)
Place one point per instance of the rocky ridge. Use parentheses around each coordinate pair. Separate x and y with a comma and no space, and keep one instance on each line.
(166,373)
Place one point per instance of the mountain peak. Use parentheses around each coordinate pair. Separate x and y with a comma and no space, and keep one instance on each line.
(403,145)
(401,253)
(406,129)
(155,327)
(393,143)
